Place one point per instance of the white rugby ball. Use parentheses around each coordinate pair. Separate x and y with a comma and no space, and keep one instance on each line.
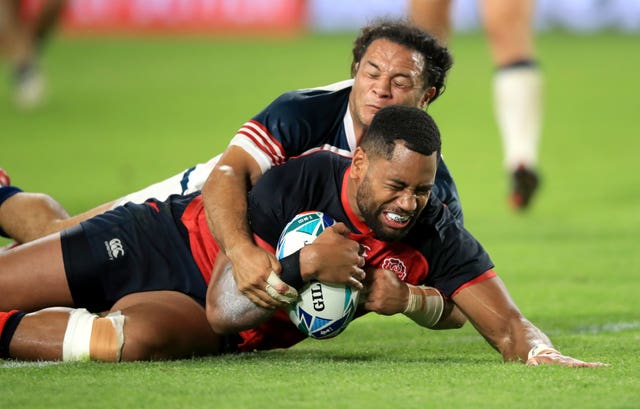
(323,310)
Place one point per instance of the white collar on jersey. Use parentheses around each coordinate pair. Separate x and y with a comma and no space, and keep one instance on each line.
(348,129)
(347,121)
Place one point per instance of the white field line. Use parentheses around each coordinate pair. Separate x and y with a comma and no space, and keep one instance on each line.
(26,364)
(609,327)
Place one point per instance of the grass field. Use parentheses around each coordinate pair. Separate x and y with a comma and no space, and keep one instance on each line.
(124,113)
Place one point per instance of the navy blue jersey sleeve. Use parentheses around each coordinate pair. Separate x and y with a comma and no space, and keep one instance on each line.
(302,120)
(455,256)
(295,123)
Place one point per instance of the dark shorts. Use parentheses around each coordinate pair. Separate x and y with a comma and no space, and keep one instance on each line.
(131,249)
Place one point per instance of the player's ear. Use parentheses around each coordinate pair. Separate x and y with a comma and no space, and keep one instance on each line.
(359,163)
(354,69)
(428,95)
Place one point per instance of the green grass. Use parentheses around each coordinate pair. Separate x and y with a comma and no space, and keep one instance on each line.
(124,113)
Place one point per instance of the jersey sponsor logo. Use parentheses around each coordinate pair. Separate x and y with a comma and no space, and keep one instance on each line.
(396,265)
(114,248)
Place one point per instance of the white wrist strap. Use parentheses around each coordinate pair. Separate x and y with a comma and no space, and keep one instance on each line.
(425,305)
(540,348)
(288,298)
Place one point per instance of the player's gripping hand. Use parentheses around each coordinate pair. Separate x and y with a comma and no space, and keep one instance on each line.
(552,357)
(333,258)
(252,266)
(385,293)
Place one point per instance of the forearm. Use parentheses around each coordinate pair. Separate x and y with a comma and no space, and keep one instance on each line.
(425,305)
(452,317)
(525,337)
(493,313)
(225,202)
(228,310)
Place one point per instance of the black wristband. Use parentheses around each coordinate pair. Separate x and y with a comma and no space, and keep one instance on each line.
(291,270)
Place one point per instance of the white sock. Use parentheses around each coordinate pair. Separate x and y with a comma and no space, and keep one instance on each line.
(518,109)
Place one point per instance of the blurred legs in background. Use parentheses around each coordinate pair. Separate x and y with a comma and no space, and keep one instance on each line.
(517,82)
(22,41)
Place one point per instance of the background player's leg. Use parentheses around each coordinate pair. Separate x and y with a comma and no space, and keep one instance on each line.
(517,91)
(14,34)
(22,42)
(47,21)
(17,43)
(434,16)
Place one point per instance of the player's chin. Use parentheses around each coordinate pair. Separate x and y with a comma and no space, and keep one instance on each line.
(369,112)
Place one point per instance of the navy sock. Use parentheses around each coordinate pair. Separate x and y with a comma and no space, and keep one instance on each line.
(5,193)
(8,191)
(7,331)
(519,64)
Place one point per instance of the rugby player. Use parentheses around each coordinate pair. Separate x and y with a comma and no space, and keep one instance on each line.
(147,266)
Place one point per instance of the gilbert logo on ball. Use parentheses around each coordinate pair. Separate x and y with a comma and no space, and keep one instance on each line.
(324,310)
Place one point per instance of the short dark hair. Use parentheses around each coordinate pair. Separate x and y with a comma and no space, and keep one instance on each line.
(411,125)
(437,58)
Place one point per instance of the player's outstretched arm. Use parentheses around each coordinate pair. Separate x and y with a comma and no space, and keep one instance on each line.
(493,313)
(225,201)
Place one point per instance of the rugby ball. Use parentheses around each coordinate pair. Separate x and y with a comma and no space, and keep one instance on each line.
(323,310)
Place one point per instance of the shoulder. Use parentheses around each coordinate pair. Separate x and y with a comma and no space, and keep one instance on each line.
(317,165)
(441,236)
(437,221)
(455,257)
(311,99)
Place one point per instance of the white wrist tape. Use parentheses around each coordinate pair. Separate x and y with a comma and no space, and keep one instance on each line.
(425,305)
(540,348)
(91,337)
(289,297)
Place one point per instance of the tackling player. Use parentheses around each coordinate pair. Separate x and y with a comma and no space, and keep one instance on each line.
(147,265)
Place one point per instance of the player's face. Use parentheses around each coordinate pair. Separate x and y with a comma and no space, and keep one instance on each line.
(387,74)
(393,193)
